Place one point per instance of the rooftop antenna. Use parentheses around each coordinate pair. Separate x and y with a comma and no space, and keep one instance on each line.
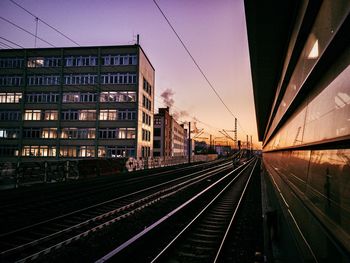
(36,30)
(138,39)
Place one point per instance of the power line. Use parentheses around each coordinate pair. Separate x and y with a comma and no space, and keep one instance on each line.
(15,25)
(194,61)
(42,21)
(13,43)
(5,45)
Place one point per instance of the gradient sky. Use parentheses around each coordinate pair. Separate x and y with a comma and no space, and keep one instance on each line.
(214,32)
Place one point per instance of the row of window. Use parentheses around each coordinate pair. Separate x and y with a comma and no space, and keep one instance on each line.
(38,115)
(80,61)
(118,96)
(38,62)
(112,96)
(68,151)
(145,151)
(118,78)
(147,87)
(42,150)
(45,133)
(11,80)
(117,60)
(10,115)
(105,115)
(83,115)
(117,133)
(40,80)
(146,135)
(71,79)
(8,150)
(10,97)
(70,133)
(69,97)
(70,61)
(146,119)
(11,62)
(116,151)
(146,103)
(157,120)
(42,97)
(9,133)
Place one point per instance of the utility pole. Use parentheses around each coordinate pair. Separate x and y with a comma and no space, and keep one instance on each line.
(189,142)
(236,133)
(36,30)
(251,143)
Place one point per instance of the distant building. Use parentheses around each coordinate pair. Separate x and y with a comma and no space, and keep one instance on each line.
(76,102)
(169,136)
(178,139)
(201,147)
(162,141)
(222,150)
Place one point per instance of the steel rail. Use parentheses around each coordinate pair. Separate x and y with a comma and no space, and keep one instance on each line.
(234,215)
(167,216)
(198,215)
(105,202)
(98,188)
(157,198)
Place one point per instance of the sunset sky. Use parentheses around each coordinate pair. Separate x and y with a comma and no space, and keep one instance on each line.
(213,31)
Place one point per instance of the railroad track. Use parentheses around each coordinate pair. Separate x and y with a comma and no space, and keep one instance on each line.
(37,205)
(31,242)
(203,238)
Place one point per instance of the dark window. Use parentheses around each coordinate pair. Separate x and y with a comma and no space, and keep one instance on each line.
(156,131)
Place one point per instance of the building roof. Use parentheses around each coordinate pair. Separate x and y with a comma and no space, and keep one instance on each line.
(80,47)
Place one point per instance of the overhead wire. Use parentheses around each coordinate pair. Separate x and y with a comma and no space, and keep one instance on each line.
(77,88)
(45,23)
(194,60)
(21,28)
(64,35)
(5,45)
(13,43)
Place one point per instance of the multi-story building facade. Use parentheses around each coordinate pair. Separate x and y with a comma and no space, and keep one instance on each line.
(169,136)
(178,139)
(162,141)
(62,103)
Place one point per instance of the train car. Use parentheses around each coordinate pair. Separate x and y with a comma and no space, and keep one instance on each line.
(300,56)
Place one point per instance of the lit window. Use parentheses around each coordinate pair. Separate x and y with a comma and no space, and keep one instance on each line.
(108,115)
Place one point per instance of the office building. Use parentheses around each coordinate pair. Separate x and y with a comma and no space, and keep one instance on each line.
(169,136)
(76,102)
(178,139)
(162,143)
